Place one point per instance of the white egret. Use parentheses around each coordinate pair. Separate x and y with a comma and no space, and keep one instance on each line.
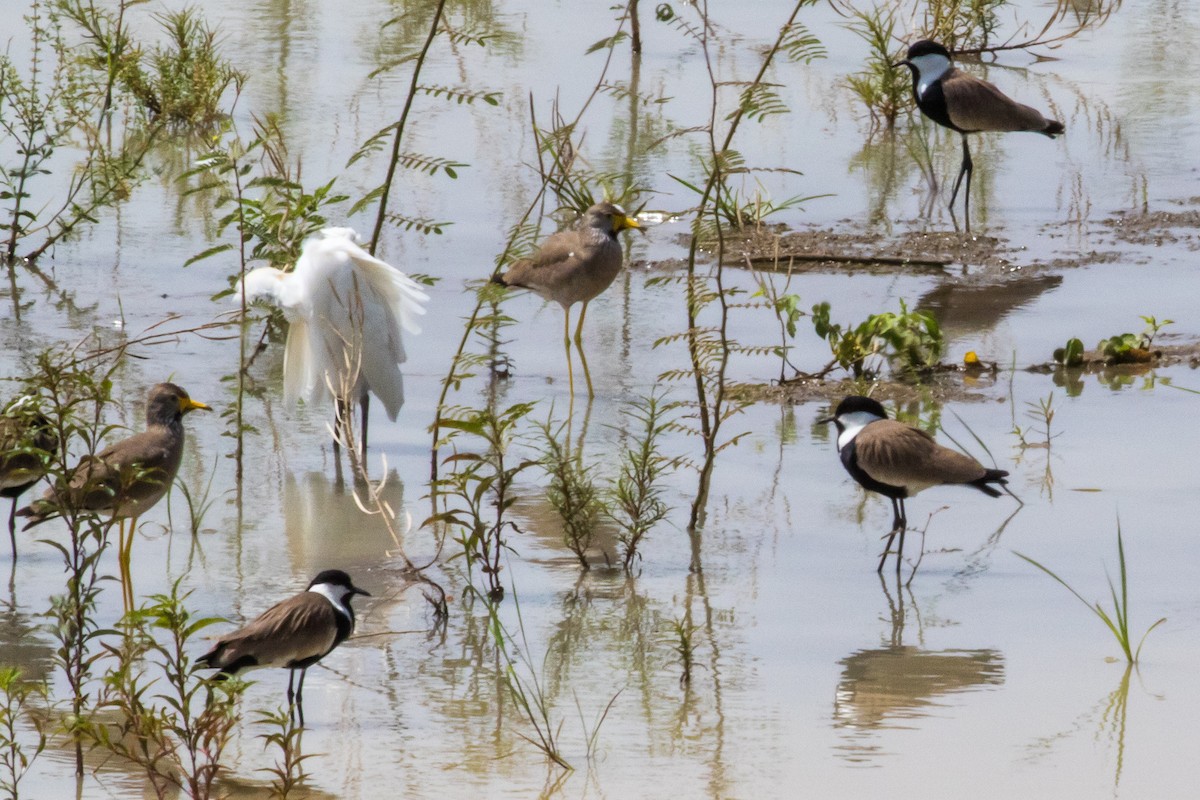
(345,310)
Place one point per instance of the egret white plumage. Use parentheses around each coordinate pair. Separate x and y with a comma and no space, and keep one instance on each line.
(346,310)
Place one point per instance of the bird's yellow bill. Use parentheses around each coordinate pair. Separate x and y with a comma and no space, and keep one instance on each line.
(624,222)
(188,404)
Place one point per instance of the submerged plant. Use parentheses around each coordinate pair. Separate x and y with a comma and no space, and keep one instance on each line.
(1117,621)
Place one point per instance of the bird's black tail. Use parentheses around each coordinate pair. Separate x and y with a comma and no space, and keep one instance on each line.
(498,277)
(1054,128)
(991,476)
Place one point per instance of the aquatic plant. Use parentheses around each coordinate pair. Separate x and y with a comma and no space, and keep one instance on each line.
(55,115)
(635,501)
(480,489)
(709,346)
(911,340)
(183,82)
(170,721)
(1042,412)
(288,774)
(1117,621)
(571,491)
(683,644)
(19,708)
(786,307)
(883,88)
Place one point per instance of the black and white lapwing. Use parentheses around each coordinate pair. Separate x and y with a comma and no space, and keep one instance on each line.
(898,461)
(966,104)
(293,634)
(27,442)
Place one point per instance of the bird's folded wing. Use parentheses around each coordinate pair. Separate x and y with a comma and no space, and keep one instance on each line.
(300,627)
(976,105)
(897,454)
(560,253)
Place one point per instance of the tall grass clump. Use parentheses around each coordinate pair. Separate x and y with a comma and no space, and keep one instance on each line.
(1117,621)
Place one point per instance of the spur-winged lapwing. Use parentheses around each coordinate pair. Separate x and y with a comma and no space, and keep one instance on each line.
(966,104)
(127,478)
(293,634)
(27,441)
(346,313)
(573,267)
(897,461)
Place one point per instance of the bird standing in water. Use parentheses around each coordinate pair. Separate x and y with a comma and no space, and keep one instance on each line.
(964,103)
(127,478)
(293,634)
(898,461)
(574,266)
(27,440)
(346,311)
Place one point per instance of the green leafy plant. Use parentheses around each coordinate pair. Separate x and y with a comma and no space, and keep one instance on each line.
(170,721)
(480,489)
(288,775)
(885,90)
(910,340)
(1070,355)
(683,644)
(572,491)
(635,496)
(17,698)
(1117,621)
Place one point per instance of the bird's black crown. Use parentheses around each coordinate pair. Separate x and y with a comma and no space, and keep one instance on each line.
(334,577)
(927,47)
(857,402)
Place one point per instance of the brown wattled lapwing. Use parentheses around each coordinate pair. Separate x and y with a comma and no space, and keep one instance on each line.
(128,477)
(898,461)
(27,440)
(966,104)
(573,267)
(293,634)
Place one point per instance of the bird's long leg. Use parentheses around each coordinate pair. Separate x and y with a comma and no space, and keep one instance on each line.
(579,348)
(897,517)
(291,694)
(567,347)
(966,169)
(124,556)
(900,547)
(12,528)
(300,696)
(364,404)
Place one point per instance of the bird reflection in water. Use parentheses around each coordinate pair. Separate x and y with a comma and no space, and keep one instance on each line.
(892,686)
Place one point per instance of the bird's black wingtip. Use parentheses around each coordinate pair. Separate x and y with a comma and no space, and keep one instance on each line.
(498,278)
(1055,128)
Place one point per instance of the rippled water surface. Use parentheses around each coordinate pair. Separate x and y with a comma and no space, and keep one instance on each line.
(812,676)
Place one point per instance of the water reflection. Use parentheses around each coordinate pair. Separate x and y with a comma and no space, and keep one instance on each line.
(325,527)
(890,687)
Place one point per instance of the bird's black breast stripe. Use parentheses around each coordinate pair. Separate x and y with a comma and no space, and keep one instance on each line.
(933,103)
(850,462)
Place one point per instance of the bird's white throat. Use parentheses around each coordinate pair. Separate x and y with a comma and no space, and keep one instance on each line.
(851,425)
(930,67)
(335,595)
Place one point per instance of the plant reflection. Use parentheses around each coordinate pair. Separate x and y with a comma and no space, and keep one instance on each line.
(889,687)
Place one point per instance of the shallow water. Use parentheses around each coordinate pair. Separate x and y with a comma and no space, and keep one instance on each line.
(983,677)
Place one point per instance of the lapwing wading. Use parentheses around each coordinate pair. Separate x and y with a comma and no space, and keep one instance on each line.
(898,461)
(574,266)
(966,104)
(293,634)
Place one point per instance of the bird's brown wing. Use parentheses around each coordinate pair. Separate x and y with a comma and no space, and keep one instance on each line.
(976,105)
(899,455)
(301,627)
(547,270)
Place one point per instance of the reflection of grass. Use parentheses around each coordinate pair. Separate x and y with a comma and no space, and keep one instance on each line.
(1118,621)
